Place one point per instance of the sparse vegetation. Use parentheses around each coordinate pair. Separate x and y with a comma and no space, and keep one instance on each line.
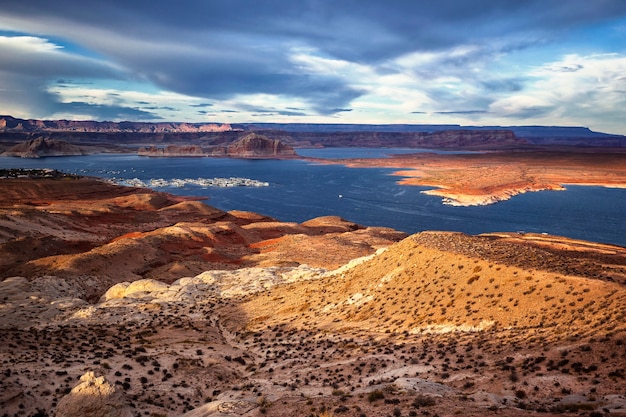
(423,329)
(375,396)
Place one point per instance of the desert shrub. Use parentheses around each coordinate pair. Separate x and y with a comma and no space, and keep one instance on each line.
(423,401)
(325,413)
(572,408)
(473,278)
(375,396)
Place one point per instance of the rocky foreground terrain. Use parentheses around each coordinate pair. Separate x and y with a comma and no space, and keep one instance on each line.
(126,302)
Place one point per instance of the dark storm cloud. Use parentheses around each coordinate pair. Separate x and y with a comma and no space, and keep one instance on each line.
(453,112)
(509,85)
(104,112)
(446,98)
(566,68)
(291,113)
(28,63)
(352,29)
(219,49)
(168,108)
(530,112)
(29,56)
(271,111)
(205,113)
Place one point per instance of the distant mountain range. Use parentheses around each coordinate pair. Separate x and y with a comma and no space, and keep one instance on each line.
(545,135)
(521,131)
(306,134)
(9,123)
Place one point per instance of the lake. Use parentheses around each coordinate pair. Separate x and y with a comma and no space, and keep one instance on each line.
(299,191)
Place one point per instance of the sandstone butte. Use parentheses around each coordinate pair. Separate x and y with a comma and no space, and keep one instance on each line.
(37,148)
(120,301)
(486,178)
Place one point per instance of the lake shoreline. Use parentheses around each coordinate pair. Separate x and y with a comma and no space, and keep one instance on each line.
(488,178)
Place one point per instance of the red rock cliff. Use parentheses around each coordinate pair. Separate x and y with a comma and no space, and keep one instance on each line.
(171,151)
(39,147)
(259,146)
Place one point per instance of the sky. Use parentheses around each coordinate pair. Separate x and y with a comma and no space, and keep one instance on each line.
(467,62)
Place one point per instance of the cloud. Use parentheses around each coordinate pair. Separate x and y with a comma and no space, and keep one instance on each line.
(563,68)
(29,63)
(324,56)
(103,112)
(42,59)
(169,108)
(506,85)
(465,76)
(24,96)
(592,95)
(462,112)
(272,111)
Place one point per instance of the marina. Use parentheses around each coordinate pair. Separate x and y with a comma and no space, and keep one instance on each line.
(184,182)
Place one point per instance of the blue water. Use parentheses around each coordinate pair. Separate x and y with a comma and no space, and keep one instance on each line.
(299,191)
(342,153)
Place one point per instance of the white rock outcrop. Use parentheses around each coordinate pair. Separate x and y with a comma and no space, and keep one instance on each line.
(94,397)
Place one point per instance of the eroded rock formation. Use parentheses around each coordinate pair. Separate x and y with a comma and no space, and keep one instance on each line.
(94,397)
(74,228)
(40,147)
(171,151)
(254,145)
(249,146)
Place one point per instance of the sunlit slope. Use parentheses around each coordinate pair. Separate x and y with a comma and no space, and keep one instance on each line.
(447,282)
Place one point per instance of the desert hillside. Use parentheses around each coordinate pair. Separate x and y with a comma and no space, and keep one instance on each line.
(126,302)
(79,228)
(440,282)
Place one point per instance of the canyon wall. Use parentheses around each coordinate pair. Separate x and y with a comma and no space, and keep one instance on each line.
(14,130)
(15,124)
